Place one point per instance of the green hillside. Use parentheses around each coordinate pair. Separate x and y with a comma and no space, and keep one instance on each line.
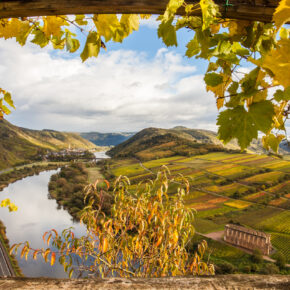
(19,145)
(154,143)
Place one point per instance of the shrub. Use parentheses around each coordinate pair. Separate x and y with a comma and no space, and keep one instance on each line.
(257,256)
(254,268)
(225,268)
(247,269)
(269,269)
(280,260)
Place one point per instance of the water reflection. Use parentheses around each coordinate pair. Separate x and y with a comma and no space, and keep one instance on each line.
(101,155)
(36,214)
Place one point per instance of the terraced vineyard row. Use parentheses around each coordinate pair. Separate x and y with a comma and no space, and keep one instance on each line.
(252,190)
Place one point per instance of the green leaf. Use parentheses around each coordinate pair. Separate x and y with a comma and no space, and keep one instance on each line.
(92,46)
(282,95)
(212,66)
(192,48)
(210,11)
(262,114)
(40,38)
(167,32)
(244,126)
(233,88)
(72,44)
(271,141)
(249,82)
(213,79)
(239,50)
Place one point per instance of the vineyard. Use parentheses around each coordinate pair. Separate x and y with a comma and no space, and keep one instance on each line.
(252,190)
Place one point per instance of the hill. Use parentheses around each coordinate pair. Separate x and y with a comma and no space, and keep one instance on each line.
(106,139)
(152,143)
(18,145)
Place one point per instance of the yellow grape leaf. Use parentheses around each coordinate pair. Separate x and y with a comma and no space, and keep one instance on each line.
(238,27)
(145,16)
(130,21)
(220,102)
(278,61)
(52,25)
(220,90)
(214,28)
(106,25)
(260,96)
(282,13)
(10,28)
(271,141)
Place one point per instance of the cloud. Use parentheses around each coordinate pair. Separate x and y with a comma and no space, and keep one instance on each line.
(151,22)
(121,90)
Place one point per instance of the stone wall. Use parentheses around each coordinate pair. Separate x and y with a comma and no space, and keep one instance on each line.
(243,282)
(248,238)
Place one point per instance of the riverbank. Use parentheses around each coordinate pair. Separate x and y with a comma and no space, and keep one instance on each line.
(67,187)
(12,175)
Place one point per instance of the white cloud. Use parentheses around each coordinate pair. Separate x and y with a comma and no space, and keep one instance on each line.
(119,91)
(151,22)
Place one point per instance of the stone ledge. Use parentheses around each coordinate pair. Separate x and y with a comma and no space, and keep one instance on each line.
(214,282)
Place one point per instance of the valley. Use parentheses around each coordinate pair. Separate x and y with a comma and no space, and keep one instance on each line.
(20,146)
(226,186)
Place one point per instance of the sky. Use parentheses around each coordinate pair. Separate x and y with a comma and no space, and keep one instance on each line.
(133,85)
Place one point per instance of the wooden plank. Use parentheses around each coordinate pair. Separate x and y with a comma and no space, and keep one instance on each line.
(260,10)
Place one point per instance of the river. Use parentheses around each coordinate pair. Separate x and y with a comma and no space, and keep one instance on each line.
(36,214)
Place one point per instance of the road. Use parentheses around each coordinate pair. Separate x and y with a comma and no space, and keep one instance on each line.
(6,269)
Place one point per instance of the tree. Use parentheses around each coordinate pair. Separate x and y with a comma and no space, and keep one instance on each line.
(145,236)
(248,60)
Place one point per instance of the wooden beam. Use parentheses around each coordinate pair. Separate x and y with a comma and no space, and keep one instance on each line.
(259,10)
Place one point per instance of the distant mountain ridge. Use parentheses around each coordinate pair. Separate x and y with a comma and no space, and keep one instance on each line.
(107,139)
(18,145)
(153,143)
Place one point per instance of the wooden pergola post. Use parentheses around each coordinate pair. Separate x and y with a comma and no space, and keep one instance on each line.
(259,10)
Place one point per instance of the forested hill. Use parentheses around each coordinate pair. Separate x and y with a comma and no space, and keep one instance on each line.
(18,144)
(154,143)
(107,139)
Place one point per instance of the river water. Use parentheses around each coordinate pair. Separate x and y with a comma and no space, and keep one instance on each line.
(36,214)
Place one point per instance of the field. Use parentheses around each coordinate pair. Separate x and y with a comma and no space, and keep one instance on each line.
(251,190)
(282,242)
(94,174)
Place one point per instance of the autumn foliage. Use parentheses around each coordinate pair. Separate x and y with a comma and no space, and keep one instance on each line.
(146,235)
